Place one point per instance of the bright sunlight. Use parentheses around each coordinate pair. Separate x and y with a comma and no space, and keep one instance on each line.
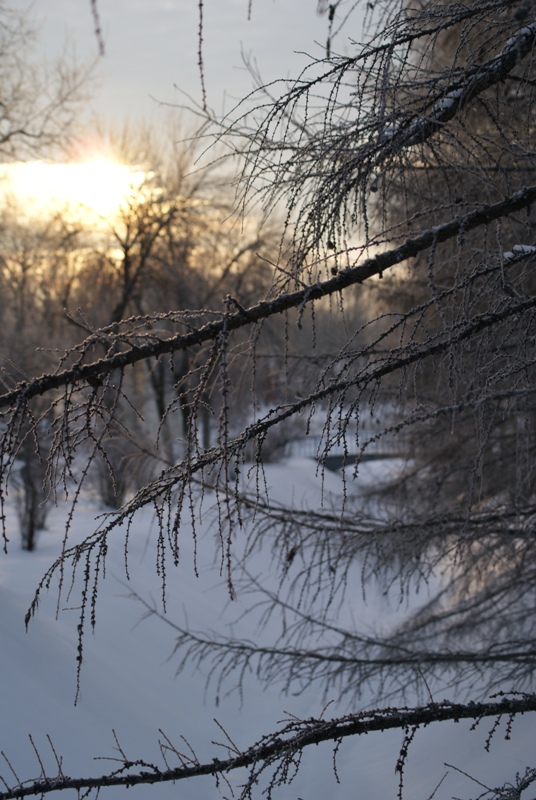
(91,192)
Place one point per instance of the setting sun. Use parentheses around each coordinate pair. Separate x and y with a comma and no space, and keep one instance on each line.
(92,191)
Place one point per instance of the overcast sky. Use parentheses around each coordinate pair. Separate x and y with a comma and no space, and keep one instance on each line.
(151,47)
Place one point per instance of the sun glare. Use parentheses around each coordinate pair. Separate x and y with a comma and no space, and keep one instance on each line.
(92,192)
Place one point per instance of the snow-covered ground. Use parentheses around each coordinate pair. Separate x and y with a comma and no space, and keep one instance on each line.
(129,684)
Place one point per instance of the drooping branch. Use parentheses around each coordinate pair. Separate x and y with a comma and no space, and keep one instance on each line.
(281,747)
(346,662)
(350,137)
(182,473)
(87,373)
(97,27)
(457,95)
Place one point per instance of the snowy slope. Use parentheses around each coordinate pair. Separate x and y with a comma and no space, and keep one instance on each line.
(129,683)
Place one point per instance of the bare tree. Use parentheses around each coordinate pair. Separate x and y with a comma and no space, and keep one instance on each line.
(35,274)
(38,104)
(371,154)
(39,101)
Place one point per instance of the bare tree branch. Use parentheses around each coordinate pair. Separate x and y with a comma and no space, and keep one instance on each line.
(282,746)
(350,276)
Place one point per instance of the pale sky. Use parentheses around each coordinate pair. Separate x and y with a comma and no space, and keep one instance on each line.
(151,46)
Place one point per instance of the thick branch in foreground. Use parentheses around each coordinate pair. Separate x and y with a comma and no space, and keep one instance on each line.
(283,747)
(318,172)
(82,373)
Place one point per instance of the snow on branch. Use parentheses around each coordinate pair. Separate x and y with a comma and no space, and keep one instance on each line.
(519,250)
(322,155)
(474,82)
